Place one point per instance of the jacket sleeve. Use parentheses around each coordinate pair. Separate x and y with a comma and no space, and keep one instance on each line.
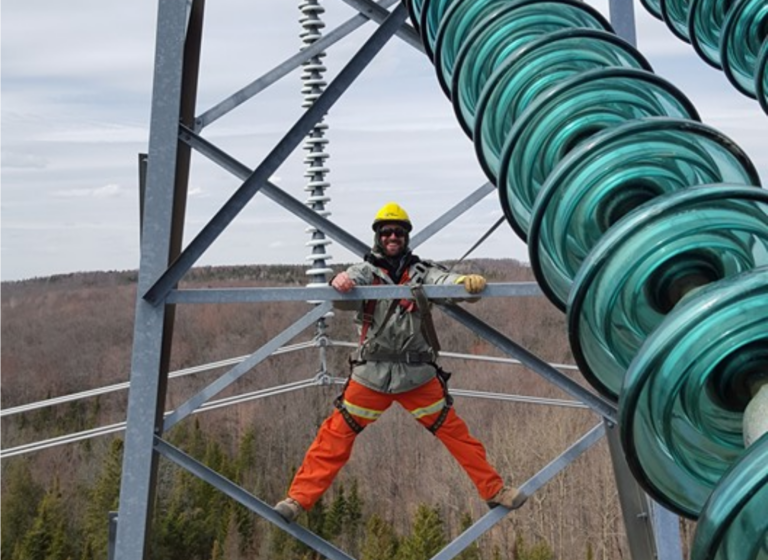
(436,274)
(362,275)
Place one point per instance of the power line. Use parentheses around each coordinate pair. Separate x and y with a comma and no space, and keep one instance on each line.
(239,399)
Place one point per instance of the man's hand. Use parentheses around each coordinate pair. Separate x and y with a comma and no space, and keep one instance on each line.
(342,282)
(473,283)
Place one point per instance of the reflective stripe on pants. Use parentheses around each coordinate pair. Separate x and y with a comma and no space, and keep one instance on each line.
(333,445)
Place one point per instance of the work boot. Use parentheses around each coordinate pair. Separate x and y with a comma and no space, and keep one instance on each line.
(509,497)
(289,509)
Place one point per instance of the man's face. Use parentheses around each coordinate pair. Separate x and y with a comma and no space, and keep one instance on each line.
(392,239)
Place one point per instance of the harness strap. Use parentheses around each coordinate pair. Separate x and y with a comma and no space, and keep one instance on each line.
(443,377)
(401,357)
(427,325)
(368,308)
(353,424)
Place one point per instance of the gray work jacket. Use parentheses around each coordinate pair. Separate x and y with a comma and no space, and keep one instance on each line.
(401,335)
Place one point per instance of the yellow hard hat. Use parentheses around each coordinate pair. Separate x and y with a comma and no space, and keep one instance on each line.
(392,212)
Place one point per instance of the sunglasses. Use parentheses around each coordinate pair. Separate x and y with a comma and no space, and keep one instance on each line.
(388,231)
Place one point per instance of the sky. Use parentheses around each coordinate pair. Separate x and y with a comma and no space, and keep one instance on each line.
(76,84)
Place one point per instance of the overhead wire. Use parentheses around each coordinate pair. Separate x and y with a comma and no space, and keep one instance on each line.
(254,395)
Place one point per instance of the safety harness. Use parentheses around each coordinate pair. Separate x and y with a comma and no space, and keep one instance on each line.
(420,303)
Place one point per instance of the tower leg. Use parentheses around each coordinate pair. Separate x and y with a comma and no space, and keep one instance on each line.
(179,28)
(652,531)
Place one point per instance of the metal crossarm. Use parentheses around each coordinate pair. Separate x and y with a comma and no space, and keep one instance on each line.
(253,295)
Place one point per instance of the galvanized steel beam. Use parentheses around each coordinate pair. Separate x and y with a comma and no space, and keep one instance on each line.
(257,295)
(179,28)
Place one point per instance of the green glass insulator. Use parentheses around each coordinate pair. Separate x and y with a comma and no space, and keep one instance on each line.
(744,31)
(532,70)
(457,24)
(675,15)
(705,28)
(613,173)
(496,38)
(414,8)
(653,7)
(432,13)
(643,266)
(734,522)
(570,113)
(678,439)
(761,77)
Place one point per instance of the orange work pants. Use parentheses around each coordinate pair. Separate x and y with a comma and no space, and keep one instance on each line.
(333,445)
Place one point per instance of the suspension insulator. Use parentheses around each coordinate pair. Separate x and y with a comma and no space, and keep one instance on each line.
(744,31)
(568,116)
(493,40)
(761,77)
(485,34)
(414,12)
(733,523)
(649,224)
(675,14)
(613,173)
(726,34)
(528,74)
(315,144)
(649,262)
(678,437)
(432,13)
(705,28)
(653,7)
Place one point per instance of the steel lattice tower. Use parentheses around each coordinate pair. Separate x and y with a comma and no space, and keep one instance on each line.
(175,131)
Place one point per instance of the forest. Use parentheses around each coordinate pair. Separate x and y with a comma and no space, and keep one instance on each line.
(401,497)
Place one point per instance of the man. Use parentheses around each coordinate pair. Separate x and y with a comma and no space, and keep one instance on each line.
(395,362)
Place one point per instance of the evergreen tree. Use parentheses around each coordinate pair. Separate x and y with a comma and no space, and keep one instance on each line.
(279,544)
(21,497)
(472,552)
(48,537)
(337,515)
(195,514)
(352,528)
(102,498)
(539,551)
(247,477)
(427,537)
(381,542)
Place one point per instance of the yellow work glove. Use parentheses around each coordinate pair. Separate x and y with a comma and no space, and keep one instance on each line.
(473,283)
